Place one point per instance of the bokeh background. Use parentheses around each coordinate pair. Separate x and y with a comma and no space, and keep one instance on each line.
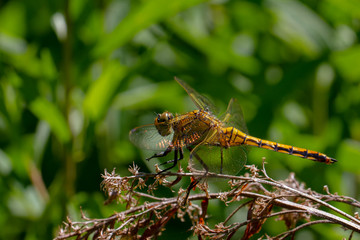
(76,76)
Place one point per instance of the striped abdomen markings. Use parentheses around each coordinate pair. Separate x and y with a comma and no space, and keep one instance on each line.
(235,137)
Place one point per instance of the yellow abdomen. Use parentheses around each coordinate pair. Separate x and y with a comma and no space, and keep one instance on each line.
(235,137)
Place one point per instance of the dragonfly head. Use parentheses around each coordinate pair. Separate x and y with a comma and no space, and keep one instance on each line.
(163,123)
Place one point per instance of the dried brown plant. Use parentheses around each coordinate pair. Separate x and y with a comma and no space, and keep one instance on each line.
(265,198)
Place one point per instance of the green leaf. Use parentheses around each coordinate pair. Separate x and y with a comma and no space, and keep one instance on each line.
(344,61)
(218,43)
(300,27)
(5,163)
(47,65)
(146,14)
(349,152)
(13,19)
(350,8)
(102,91)
(217,51)
(50,113)
(161,95)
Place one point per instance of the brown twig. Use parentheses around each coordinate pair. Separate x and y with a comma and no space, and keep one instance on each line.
(295,202)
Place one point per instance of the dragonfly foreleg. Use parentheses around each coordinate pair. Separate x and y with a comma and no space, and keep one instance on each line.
(174,161)
(161,154)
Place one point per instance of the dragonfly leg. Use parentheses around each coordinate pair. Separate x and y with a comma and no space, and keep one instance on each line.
(161,154)
(194,183)
(174,161)
(200,161)
(171,161)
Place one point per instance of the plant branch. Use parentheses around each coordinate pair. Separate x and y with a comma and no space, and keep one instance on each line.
(296,204)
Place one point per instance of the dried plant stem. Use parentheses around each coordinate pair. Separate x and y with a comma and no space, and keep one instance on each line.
(294,201)
(292,231)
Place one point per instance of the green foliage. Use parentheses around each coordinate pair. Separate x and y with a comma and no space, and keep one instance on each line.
(76,76)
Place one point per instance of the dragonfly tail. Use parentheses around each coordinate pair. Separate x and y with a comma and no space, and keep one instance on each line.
(288,149)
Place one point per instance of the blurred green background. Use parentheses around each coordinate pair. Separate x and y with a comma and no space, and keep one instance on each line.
(76,76)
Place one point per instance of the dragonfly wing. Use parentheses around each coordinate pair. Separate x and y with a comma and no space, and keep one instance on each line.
(218,159)
(234,117)
(199,100)
(148,137)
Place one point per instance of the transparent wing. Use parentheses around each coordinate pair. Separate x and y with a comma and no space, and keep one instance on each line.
(148,137)
(200,101)
(233,117)
(233,159)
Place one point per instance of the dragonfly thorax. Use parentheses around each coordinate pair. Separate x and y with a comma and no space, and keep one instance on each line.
(163,123)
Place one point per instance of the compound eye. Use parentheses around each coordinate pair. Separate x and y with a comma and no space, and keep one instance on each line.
(162,117)
(169,116)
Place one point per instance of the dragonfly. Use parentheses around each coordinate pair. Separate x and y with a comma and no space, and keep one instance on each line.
(218,144)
